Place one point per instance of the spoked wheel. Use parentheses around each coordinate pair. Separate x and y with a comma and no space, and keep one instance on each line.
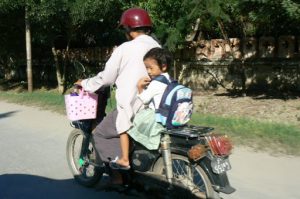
(81,158)
(190,177)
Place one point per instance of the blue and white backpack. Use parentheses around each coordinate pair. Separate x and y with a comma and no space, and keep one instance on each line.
(176,106)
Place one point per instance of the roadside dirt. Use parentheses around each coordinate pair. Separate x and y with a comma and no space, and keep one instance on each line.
(271,106)
(262,107)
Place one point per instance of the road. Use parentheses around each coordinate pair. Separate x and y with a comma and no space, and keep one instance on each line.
(258,175)
(33,162)
(32,157)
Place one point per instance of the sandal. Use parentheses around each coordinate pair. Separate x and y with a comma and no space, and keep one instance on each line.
(114,165)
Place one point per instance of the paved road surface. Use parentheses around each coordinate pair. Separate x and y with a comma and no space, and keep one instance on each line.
(258,175)
(32,157)
(33,162)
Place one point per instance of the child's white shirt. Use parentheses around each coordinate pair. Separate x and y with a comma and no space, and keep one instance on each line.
(153,93)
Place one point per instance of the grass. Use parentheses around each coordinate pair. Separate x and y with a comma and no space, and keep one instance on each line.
(49,100)
(275,137)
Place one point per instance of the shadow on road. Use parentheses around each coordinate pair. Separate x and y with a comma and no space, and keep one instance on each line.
(7,114)
(21,186)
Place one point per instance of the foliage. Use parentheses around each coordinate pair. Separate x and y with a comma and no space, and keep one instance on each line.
(94,22)
(85,23)
(175,19)
(267,16)
(169,28)
(292,9)
(9,5)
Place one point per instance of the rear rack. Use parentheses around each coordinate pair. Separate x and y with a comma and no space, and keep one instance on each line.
(189,131)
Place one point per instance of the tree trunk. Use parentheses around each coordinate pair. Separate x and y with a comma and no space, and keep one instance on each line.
(28,51)
(59,75)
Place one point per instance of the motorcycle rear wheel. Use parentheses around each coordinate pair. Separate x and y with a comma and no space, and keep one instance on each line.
(190,177)
(84,168)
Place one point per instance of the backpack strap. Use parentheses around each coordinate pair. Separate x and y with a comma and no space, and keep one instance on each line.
(170,85)
(162,79)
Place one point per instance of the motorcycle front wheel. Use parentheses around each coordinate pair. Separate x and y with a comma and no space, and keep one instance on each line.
(81,157)
(191,177)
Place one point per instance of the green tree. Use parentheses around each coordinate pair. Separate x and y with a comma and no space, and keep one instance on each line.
(174,19)
(7,6)
(266,17)
(11,39)
(222,18)
(80,23)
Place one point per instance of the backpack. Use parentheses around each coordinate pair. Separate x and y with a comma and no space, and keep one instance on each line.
(176,106)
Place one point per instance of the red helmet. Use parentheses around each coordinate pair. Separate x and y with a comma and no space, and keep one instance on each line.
(135,18)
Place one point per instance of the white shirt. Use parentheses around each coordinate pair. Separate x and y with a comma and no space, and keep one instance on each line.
(154,92)
(124,68)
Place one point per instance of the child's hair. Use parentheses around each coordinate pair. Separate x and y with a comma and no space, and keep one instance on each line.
(162,57)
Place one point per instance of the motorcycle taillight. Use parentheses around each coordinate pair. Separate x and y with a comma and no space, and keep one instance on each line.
(220,144)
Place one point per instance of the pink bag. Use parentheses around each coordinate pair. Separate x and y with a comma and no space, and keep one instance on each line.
(82,106)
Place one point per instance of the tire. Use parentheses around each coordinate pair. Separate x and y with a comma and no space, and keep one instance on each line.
(192,178)
(85,171)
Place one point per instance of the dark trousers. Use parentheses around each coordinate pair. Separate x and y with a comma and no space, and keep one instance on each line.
(106,138)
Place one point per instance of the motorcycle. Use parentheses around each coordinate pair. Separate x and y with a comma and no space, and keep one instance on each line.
(190,158)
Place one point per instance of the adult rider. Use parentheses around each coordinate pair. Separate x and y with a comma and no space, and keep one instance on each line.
(123,69)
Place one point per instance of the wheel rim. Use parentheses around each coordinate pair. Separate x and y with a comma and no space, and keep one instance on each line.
(189,176)
(83,166)
(76,148)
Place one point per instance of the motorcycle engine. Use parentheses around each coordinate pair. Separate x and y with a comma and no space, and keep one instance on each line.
(142,160)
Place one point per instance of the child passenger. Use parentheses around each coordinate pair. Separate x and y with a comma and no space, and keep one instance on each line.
(157,62)
(150,91)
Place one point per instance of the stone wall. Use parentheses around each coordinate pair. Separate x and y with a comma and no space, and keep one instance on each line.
(236,75)
(251,63)
(265,63)
(286,47)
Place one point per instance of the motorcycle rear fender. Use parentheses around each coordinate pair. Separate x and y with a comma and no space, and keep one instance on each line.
(220,182)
